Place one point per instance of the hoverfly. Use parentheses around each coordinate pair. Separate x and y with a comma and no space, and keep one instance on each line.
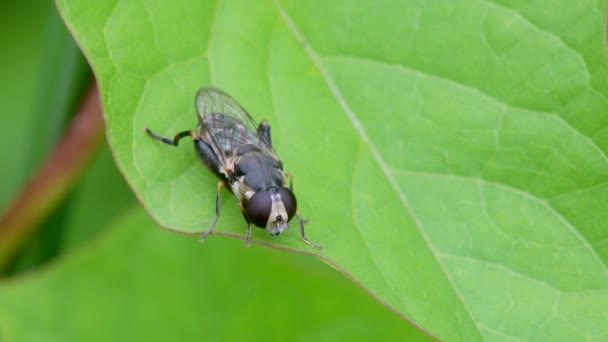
(240,153)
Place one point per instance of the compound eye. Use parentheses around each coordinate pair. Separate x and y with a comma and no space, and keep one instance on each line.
(289,201)
(259,207)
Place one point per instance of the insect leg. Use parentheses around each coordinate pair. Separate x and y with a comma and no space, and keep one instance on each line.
(300,219)
(175,140)
(248,235)
(288,175)
(264,133)
(220,184)
(302,235)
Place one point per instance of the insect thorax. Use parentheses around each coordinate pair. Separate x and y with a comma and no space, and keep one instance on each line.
(255,171)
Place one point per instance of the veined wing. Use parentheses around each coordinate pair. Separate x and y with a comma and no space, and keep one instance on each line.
(214,101)
(226,125)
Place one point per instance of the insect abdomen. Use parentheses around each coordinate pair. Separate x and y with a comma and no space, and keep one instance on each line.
(209,158)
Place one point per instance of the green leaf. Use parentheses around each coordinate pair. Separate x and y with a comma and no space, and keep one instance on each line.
(100,197)
(450,155)
(145,284)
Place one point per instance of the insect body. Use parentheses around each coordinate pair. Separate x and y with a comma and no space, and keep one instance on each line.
(240,153)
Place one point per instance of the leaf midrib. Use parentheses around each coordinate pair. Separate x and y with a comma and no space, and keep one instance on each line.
(293,29)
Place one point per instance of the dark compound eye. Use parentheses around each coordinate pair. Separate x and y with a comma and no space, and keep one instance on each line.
(289,201)
(259,207)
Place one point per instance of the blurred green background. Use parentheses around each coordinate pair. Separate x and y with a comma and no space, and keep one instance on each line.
(98,268)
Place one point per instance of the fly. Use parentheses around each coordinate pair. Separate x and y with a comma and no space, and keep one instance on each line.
(240,153)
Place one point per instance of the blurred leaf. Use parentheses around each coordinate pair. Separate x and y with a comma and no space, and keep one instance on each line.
(451,156)
(63,78)
(19,64)
(95,201)
(61,75)
(99,198)
(48,187)
(151,285)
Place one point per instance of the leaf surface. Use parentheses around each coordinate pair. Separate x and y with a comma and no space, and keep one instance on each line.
(451,156)
(142,284)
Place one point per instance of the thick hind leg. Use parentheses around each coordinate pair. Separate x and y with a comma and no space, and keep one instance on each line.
(175,140)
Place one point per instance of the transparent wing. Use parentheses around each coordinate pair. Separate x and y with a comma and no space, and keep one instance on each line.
(214,101)
(226,125)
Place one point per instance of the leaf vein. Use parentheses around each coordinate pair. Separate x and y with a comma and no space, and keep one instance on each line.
(333,88)
(474,90)
(502,268)
(522,193)
(555,36)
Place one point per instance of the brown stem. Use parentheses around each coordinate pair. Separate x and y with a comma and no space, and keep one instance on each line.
(47,187)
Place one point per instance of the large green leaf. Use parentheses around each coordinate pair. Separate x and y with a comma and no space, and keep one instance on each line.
(140,284)
(450,155)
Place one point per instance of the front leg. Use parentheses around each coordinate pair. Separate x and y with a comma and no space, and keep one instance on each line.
(300,219)
(248,234)
(302,235)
